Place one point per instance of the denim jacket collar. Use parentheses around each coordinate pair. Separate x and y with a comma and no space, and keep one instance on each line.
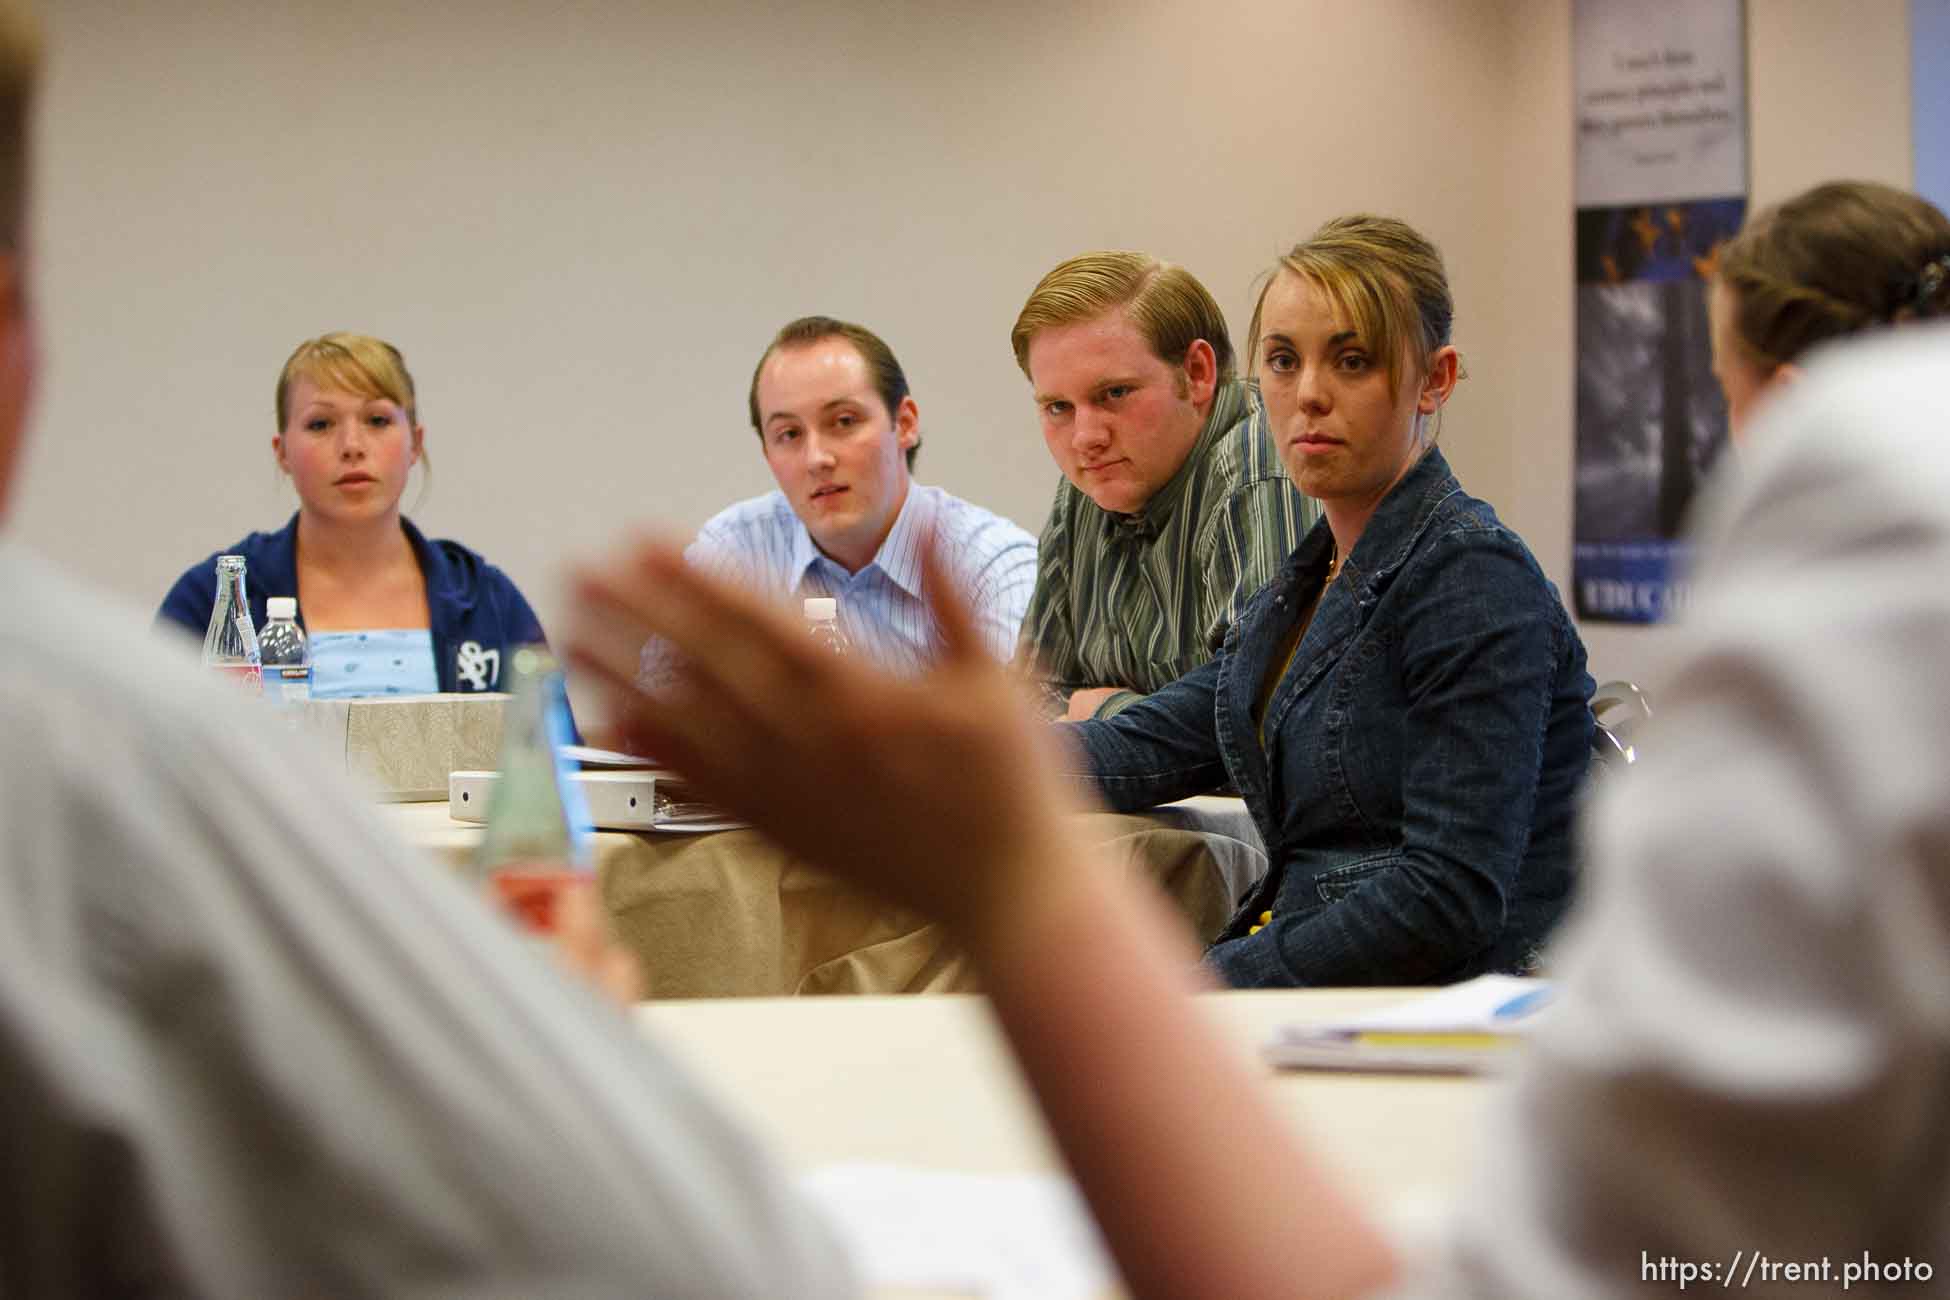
(1400,520)
(1397,524)
(1392,532)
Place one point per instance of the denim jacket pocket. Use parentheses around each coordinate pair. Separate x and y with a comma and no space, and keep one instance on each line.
(1336,883)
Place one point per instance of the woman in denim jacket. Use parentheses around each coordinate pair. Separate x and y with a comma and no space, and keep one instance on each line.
(1405,707)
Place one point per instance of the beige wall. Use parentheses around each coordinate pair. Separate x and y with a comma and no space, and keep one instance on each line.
(581,227)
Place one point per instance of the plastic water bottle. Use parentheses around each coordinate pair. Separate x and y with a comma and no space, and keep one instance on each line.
(536,842)
(823,625)
(286,656)
(230,645)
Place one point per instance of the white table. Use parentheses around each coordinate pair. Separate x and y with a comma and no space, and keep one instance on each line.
(930,1082)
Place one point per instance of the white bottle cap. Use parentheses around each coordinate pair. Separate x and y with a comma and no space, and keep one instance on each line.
(821,609)
(282,607)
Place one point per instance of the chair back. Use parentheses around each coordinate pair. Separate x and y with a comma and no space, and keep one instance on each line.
(1617,707)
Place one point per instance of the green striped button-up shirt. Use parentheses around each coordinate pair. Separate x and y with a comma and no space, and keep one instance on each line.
(1137,601)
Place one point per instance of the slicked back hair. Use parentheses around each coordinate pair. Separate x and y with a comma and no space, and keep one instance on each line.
(1170,308)
(889,380)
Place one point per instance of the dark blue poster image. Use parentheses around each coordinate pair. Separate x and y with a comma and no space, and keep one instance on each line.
(1650,418)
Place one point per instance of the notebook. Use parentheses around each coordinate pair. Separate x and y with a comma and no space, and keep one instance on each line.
(1468,1028)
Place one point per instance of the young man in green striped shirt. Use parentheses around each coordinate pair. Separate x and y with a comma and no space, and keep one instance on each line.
(1176,508)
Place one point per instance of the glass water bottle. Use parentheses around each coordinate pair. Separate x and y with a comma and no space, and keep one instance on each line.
(536,842)
(230,644)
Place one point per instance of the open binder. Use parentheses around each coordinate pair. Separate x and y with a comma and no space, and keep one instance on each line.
(617,799)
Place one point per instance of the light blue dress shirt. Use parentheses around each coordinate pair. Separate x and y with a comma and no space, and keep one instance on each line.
(991,561)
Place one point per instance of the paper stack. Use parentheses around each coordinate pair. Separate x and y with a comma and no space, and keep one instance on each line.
(1466,1028)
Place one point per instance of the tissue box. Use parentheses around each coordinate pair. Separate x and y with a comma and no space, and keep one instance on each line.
(405,745)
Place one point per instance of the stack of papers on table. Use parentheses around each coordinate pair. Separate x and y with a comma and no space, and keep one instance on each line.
(587,756)
(681,812)
(1466,1028)
(673,803)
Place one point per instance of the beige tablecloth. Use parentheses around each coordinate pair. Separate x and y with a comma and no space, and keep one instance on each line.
(729,913)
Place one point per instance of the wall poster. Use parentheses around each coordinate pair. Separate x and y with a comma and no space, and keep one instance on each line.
(1661,104)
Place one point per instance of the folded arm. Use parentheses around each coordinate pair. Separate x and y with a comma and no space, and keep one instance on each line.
(1164,747)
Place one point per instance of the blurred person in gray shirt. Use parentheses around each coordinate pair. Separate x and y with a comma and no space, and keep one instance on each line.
(251,1046)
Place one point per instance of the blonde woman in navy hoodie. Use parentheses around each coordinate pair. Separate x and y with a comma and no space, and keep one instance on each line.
(387,610)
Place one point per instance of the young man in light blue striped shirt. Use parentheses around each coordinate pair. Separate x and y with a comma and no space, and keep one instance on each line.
(839,431)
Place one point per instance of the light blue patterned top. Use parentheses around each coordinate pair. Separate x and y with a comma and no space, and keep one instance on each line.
(381,661)
(992,562)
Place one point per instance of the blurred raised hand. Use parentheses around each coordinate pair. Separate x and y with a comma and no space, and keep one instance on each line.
(585,944)
(941,792)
